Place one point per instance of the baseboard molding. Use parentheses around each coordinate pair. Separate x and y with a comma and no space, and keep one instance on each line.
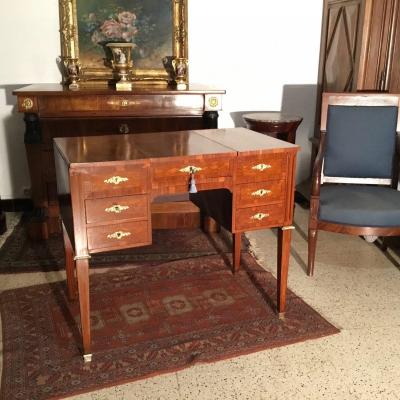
(16,205)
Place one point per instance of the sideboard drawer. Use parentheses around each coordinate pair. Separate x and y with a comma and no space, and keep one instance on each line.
(132,105)
(259,217)
(119,236)
(261,167)
(178,172)
(252,194)
(117,208)
(115,181)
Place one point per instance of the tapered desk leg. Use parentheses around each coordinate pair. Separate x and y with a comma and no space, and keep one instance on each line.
(69,266)
(82,271)
(284,237)
(236,250)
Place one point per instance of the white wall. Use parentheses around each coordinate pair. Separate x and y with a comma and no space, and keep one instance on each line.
(263,52)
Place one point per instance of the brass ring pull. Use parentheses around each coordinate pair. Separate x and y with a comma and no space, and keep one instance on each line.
(123,128)
(261,167)
(117,209)
(259,216)
(190,169)
(115,180)
(118,235)
(261,192)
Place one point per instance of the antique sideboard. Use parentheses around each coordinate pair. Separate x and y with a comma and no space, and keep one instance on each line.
(51,110)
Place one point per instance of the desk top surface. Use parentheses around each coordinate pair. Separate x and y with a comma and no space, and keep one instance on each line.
(147,146)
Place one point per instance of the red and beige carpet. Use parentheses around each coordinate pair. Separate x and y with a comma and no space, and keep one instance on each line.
(147,319)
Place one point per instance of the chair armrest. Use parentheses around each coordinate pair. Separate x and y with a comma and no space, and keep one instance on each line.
(317,169)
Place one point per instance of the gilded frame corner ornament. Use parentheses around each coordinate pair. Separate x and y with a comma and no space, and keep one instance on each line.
(72,68)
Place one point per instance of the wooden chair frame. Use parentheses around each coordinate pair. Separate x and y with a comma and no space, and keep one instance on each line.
(318,178)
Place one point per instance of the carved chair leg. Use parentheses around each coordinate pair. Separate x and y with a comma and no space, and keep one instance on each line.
(312,245)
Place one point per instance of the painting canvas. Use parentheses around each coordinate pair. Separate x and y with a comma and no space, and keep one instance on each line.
(145,23)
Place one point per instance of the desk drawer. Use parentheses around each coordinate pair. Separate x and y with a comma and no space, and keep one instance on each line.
(178,172)
(253,194)
(119,236)
(259,217)
(115,181)
(117,208)
(261,168)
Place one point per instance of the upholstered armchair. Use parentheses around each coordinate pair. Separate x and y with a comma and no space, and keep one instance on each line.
(356,171)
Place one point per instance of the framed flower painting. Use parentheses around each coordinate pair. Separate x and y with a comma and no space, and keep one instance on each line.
(156,29)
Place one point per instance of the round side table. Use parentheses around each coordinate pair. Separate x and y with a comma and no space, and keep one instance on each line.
(279,125)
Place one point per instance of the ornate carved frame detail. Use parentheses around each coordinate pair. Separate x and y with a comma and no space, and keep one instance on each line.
(74,70)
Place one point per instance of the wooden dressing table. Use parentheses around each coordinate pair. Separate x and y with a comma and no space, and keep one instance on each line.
(245,181)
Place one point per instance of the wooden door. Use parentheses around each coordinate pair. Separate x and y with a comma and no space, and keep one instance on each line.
(341,42)
(379,59)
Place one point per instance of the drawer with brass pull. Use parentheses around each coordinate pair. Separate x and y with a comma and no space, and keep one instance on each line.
(258,193)
(114,181)
(117,208)
(178,172)
(259,217)
(119,236)
(261,167)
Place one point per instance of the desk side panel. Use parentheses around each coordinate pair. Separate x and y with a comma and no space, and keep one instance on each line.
(64,192)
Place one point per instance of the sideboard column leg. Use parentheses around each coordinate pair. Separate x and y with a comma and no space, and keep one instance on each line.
(82,271)
(284,238)
(210,120)
(37,226)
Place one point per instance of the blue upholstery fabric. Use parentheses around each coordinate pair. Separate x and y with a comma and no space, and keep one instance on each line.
(360,141)
(361,205)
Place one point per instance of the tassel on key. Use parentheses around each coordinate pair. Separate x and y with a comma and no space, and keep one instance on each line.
(192,184)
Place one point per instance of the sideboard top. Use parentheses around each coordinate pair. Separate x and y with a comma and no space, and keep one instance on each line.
(56,89)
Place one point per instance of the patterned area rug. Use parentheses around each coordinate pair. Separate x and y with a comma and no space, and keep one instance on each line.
(147,319)
(20,254)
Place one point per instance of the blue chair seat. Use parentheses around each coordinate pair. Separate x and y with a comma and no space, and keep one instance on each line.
(360,205)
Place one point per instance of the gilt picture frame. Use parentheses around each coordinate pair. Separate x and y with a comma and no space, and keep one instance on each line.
(157,29)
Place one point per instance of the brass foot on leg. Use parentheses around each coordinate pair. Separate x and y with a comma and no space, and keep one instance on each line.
(87,358)
(281,315)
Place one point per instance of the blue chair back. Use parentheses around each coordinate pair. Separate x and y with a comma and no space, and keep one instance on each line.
(360,141)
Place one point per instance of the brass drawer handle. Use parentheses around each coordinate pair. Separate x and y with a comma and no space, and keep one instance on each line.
(190,169)
(123,128)
(261,167)
(261,192)
(259,216)
(118,235)
(124,103)
(115,180)
(117,209)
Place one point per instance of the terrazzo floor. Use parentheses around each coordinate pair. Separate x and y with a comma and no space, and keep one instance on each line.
(356,287)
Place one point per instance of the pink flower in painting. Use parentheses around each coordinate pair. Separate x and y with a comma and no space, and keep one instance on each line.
(126,18)
(111,29)
(129,33)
